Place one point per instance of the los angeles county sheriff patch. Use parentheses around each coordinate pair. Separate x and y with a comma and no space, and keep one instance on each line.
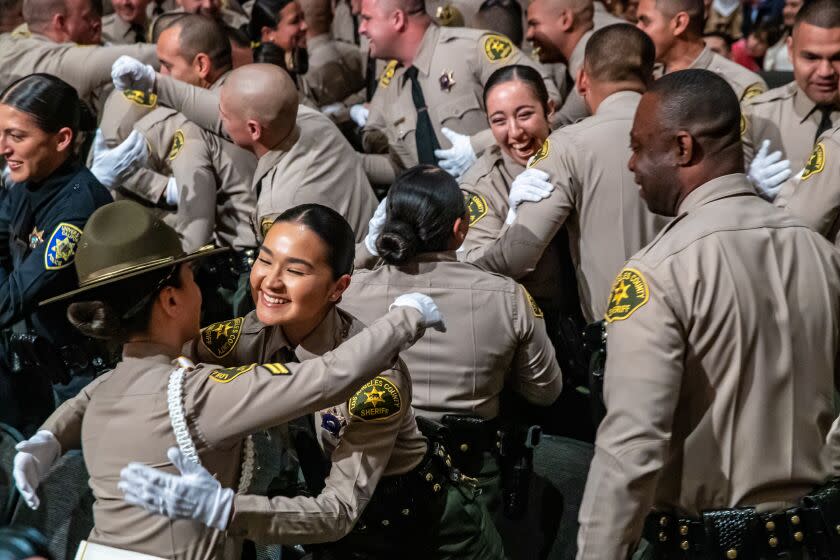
(538,313)
(816,162)
(476,206)
(629,292)
(497,48)
(221,338)
(752,91)
(388,73)
(142,98)
(177,144)
(226,375)
(61,247)
(376,400)
(541,154)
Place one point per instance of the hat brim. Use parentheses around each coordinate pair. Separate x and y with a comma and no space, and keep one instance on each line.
(131,271)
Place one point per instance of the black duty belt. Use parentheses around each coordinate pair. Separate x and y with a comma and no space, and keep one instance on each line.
(745,534)
(469,439)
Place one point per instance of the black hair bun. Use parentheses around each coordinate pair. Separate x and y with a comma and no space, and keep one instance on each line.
(95,319)
(397,243)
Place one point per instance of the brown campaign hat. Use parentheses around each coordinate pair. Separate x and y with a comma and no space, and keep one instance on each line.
(123,239)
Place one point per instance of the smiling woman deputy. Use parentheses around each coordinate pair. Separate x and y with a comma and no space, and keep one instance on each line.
(41,219)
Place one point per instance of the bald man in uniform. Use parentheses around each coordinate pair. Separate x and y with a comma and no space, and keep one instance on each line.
(57,31)
(592,187)
(427,107)
(127,25)
(793,116)
(722,356)
(676,28)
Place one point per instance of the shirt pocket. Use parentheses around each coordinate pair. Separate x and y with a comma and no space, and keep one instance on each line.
(463,114)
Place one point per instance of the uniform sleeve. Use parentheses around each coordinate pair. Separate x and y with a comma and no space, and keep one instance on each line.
(5,219)
(22,288)
(492,55)
(65,422)
(199,105)
(357,465)
(643,376)
(146,184)
(535,373)
(518,250)
(252,397)
(196,179)
(816,195)
(89,68)
(748,143)
(571,111)
(484,229)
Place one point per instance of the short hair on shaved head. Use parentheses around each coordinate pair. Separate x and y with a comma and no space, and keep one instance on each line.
(407,6)
(702,103)
(318,15)
(264,92)
(202,34)
(620,53)
(819,13)
(38,13)
(694,8)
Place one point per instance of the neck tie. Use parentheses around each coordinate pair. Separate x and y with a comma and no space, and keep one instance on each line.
(425,137)
(825,122)
(372,78)
(139,34)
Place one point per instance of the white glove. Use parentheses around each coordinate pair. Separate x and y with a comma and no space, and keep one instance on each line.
(359,114)
(375,228)
(767,173)
(532,185)
(195,494)
(173,194)
(113,166)
(130,73)
(332,109)
(457,159)
(33,460)
(432,317)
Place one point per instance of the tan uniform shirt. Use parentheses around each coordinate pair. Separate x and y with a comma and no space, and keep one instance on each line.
(336,70)
(486,186)
(747,84)
(495,335)
(453,65)
(814,197)
(721,355)
(786,117)
(117,31)
(316,165)
(594,194)
(344,28)
(86,68)
(378,435)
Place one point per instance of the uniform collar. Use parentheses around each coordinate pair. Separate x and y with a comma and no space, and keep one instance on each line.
(804,107)
(619,102)
(576,60)
(121,27)
(317,41)
(423,58)
(704,59)
(217,85)
(150,350)
(326,336)
(58,179)
(735,184)
(436,256)
(273,156)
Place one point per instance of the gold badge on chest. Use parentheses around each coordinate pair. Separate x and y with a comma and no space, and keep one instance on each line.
(36,237)
(447,80)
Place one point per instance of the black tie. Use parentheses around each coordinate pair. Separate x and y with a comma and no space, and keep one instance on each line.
(139,33)
(425,137)
(825,122)
(372,78)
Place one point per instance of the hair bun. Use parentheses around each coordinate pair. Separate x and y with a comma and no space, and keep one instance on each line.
(397,243)
(95,319)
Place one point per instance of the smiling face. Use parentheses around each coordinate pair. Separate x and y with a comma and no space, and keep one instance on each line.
(290,32)
(815,53)
(543,26)
(132,11)
(292,282)
(376,22)
(31,153)
(517,119)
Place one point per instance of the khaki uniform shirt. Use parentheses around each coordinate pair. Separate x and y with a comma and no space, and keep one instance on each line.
(486,186)
(117,31)
(336,70)
(595,195)
(344,27)
(721,356)
(495,335)
(86,68)
(786,117)
(814,196)
(378,435)
(747,84)
(123,416)
(317,165)
(453,65)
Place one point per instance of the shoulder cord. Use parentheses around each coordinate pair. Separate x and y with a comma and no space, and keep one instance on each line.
(177,417)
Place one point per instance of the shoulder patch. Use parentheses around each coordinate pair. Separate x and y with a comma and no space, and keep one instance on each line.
(743,124)
(142,98)
(376,400)
(476,206)
(449,16)
(497,48)
(816,162)
(177,144)
(220,338)
(541,154)
(388,73)
(226,375)
(265,225)
(629,292)
(61,247)
(752,91)
(538,313)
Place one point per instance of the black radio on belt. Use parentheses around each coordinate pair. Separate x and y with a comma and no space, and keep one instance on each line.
(516,459)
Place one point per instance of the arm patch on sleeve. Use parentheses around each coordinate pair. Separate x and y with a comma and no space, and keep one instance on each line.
(221,338)
(61,247)
(376,400)
(629,292)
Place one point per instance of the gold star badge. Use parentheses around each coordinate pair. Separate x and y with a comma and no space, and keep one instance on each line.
(620,293)
(447,80)
(36,237)
(374,396)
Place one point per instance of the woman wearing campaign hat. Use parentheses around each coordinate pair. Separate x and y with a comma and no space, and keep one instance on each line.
(138,288)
